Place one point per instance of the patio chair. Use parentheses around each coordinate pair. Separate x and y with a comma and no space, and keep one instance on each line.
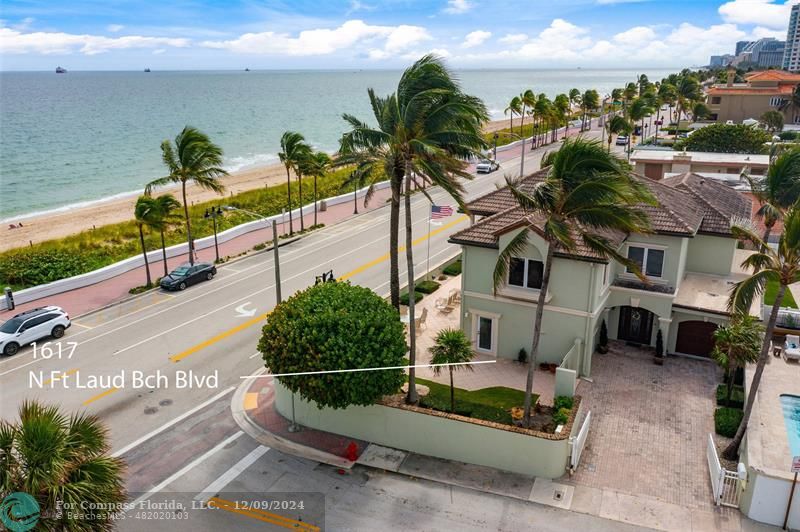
(443,305)
(455,296)
(419,322)
(791,348)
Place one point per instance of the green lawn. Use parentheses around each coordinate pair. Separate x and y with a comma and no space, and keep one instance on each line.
(772,290)
(489,404)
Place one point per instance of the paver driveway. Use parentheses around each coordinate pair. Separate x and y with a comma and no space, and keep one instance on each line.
(649,425)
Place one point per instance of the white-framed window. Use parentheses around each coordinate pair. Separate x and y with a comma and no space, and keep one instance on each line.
(606,275)
(525,273)
(776,101)
(649,260)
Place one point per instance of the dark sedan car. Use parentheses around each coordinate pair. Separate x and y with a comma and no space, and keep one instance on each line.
(186,274)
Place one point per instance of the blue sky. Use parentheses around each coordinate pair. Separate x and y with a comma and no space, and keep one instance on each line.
(211,34)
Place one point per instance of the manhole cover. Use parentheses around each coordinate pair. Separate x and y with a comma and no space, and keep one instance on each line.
(150,410)
(165,402)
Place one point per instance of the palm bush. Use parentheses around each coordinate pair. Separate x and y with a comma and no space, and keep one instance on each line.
(451,346)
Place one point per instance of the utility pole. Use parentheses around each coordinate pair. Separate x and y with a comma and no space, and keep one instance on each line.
(522,158)
(277,262)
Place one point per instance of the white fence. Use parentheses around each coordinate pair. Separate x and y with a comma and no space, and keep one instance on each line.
(724,483)
(578,442)
(118,268)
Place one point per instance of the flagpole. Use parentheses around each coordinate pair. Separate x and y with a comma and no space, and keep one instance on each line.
(430,213)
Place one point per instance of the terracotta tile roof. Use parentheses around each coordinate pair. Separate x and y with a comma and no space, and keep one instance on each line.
(773,75)
(486,233)
(719,202)
(765,91)
(688,204)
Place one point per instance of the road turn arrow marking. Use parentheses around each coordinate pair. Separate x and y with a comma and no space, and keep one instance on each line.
(242,312)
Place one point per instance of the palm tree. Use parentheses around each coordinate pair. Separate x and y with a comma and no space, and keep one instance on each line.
(542,109)
(687,91)
(145,214)
(638,110)
(427,130)
(192,159)
(736,345)
(643,83)
(700,111)
(514,108)
(778,190)
(58,459)
(780,266)
(772,121)
(629,93)
(586,192)
(618,125)
(527,99)
(165,216)
(316,165)
(589,101)
(451,347)
(562,106)
(293,150)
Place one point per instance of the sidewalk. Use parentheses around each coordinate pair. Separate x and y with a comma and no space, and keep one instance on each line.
(253,409)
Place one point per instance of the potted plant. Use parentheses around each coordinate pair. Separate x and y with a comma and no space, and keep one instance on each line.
(522,356)
(659,358)
(602,345)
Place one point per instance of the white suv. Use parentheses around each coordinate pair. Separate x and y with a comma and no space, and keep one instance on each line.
(32,325)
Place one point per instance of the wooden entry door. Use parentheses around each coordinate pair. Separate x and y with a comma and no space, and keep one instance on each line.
(635,325)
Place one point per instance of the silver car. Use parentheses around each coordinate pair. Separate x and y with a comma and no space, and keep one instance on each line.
(30,326)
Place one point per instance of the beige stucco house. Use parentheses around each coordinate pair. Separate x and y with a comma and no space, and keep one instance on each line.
(767,90)
(691,261)
(655,164)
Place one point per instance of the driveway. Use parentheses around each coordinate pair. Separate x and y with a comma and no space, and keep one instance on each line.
(649,426)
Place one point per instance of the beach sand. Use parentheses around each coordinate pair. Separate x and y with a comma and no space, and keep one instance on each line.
(60,224)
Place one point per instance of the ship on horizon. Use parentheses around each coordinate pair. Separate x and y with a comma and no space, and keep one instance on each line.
(60,70)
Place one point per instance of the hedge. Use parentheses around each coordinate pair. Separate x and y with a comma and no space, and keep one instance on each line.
(427,287)
(404,298)
(453,269)
(726,421)
(737,397)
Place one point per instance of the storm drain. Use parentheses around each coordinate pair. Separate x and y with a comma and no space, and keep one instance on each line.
(551,493)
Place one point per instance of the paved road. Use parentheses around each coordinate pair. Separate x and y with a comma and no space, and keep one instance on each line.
(208,335)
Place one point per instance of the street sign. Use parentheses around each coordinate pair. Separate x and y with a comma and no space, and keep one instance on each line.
(796,464)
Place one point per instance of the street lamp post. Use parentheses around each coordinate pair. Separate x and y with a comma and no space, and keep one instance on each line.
(213,213)
(495,144)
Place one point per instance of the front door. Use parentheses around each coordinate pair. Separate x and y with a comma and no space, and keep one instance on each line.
(635,325)
(484,333)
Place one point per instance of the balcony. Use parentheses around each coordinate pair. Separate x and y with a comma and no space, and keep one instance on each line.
(633,283)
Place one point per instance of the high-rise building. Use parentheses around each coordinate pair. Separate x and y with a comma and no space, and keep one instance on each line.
(763,53)
(720,61)
(791,54)
(741,46)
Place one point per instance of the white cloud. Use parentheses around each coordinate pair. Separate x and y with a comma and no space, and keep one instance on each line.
(24,24)
(159,51)
(457,7)
(114,28)
(635,36)
(327,41)
(475,38)
(760,32)
(513,38)
(561,40)
(355,5)
(762,12)
(16,42)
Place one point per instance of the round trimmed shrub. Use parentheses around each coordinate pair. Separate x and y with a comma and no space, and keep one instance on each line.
(726,421)
(334,326)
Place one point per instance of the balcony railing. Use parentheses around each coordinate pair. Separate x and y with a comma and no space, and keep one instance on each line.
(636,284)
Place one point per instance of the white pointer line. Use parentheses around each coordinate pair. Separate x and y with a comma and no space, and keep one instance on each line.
(364,369)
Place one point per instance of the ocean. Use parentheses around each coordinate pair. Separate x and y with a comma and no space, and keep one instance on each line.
(69,139)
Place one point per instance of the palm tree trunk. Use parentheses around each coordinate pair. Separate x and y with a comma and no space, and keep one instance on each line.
(511,126)
(164,253)
(767,233)
(537,332)
(289,199)
(412,397)
(729,382)
(732,451)
(300,194)
(355,197)
(394,230)
(144,254)
(188,224)
(315,200)
(452,392)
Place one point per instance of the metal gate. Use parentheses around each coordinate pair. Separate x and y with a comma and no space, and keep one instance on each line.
(724,483)
(578,442)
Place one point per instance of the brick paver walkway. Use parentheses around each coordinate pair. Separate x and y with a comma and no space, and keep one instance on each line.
(649,426)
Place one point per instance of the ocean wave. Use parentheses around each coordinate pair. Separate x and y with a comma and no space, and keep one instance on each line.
(235,164)
(70,207)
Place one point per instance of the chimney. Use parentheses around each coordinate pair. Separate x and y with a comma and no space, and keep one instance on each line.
(731,76)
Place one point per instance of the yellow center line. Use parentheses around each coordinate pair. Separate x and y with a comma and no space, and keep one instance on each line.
(100,396)
(81,325)
(64,374)
(217,338)
(261,515)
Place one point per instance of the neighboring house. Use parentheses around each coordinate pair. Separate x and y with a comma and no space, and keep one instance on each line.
(655,164)
(767,90)
(691,261)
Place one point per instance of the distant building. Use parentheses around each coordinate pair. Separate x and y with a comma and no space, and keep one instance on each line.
(656,164)
(720,61)
(767,90)
(763,53)
(791,54)
(741,46)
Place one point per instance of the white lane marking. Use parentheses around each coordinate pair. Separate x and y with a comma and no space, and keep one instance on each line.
(230,475)
(254,355)
(242,312)
(81,325)
(34,361)
(191,465)
(168,424)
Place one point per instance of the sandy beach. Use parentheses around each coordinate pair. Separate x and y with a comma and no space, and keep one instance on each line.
(60,224)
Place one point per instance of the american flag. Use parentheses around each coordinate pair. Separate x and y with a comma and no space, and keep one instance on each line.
(441,211)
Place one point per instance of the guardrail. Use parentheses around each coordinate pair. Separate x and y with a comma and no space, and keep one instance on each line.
(118,268)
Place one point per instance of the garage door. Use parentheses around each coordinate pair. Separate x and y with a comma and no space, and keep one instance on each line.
(695,338)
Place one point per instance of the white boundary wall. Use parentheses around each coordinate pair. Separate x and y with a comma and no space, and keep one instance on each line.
(118,268)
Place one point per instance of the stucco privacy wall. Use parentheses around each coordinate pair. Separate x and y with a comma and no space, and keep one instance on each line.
(710,254)
(433,436)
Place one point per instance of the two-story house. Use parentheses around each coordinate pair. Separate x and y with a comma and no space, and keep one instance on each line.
(690,259)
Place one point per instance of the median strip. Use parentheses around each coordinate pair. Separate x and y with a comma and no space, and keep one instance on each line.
(261,515)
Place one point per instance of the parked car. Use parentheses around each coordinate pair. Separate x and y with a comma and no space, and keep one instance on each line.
(32,325)
(187,275)
(486,166)
(622,140)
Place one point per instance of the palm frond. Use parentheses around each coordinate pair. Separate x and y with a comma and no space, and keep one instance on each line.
(515,248)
